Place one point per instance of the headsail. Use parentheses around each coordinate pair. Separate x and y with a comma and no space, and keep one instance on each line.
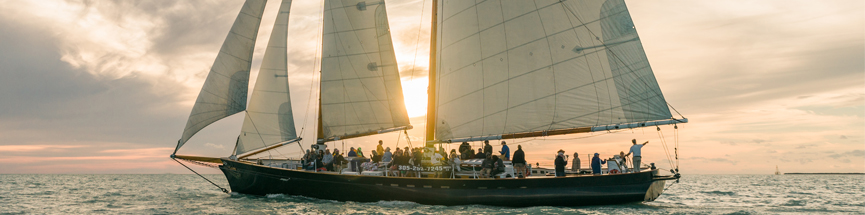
(269,118)
(224,91)
(361,92)
(516,67)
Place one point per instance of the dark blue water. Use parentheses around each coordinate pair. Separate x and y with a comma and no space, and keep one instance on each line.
(187,194)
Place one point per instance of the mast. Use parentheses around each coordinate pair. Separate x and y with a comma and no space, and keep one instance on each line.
(431,95)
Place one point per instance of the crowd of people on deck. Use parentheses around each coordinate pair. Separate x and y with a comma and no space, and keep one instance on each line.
(492,164)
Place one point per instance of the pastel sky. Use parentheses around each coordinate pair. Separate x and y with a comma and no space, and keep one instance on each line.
(106,86)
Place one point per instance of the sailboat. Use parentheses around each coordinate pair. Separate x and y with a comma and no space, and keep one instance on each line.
(498,70)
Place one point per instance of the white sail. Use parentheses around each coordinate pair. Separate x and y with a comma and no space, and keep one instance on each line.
(269,118)
(360,86)
(224,91)
(508,67)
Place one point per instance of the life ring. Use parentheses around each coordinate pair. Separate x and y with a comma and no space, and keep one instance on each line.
(614,171)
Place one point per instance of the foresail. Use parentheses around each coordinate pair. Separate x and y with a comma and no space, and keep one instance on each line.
(360,86)
(224,91)
(512,67)
(269,118)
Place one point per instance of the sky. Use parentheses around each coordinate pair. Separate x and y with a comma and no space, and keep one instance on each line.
(107,86)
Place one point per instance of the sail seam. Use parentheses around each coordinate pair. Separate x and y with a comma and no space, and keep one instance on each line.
(353,30)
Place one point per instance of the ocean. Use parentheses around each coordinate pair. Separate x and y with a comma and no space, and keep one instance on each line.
(189,194)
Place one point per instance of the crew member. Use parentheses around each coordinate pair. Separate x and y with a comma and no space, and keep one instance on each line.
(635,149)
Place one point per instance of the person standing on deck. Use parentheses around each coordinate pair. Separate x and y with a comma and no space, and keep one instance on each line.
(519,162)
(379,149)
(465,149)
(505,151)
(488,149)
(596,164)
(575,164)
(561,162)
(635,149)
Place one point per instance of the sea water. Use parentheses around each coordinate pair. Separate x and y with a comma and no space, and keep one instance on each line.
(189,194)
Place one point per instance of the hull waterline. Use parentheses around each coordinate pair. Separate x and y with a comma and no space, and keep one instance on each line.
(254,179)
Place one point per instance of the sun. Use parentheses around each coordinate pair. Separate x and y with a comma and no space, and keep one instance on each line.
(414,91)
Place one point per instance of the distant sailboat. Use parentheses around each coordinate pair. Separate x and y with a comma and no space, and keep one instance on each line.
(498,70)
(776,170)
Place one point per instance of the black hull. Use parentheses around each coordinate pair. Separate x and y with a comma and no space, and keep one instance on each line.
(547,191)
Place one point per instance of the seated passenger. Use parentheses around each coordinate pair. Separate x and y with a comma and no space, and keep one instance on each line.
(487,165)
(480,154)
(498,166)
(387,157)
(375,157)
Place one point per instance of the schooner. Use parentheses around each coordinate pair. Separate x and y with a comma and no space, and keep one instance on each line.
(499,69)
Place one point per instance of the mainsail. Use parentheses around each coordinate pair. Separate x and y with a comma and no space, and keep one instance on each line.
(361,92)
(224,91)
(269,118)
(517,67)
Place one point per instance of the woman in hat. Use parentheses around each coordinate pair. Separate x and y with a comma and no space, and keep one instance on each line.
(561,162)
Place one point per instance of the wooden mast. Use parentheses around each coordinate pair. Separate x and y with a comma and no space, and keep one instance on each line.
(431,96)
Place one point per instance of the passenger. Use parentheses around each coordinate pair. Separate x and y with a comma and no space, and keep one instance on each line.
(635,149)
(575,164)
(596,164)
(443,153)
(387,157)
(379,149)
(328,160)
(352,153)
(319,165)
(375,157)
(519,162)
(488,149)
(561,161)
(505,151)
(480,154)
(437,158)
(359,152)
(304,161)
(487,165)
(498,166)
(624,163)
(464,151)
(338,160)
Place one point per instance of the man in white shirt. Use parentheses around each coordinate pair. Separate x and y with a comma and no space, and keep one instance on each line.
(635,149)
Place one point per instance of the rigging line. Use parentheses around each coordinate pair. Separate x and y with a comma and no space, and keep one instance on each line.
(256,129)
(315,61)
(674,109)
(208,180)
(417,41)
(666,148)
